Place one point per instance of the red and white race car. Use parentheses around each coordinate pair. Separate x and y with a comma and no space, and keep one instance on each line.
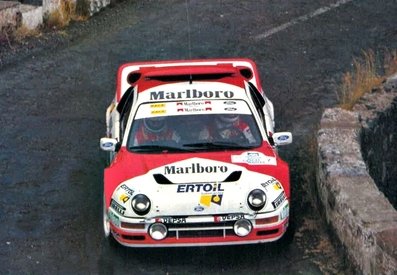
(193,156)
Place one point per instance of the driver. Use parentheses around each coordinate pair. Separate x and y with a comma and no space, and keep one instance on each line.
(154,129)
(232,127)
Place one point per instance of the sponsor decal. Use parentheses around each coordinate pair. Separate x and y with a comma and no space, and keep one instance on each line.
(157,105)
(118,207)
(267,183)
(114,219)
(124,198)
(128,192)
(211,193)
(193,103)
(274,183)
(254,158)
(230,109)
(285,212)
(158,112)
(193,106)
(187,110)
(107,145)
(279,200)
(277,186)
(229,102)
(171,220)
(194,168)
(157,109)
(282,138)
(199,187)
(198,208)
(190,94)
(207,199)
(230,217)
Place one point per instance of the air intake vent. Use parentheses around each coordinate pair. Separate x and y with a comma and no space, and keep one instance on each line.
(235,176)
(161,179)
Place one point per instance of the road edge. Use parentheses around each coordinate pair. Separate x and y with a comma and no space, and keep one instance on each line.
(360,215)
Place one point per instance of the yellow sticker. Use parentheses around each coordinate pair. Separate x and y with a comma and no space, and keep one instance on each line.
(124,198)
(157,112)
(277,186)
(206,200)
(157,105)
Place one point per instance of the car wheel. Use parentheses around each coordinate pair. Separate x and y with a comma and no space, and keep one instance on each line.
(106,222)
(106,227)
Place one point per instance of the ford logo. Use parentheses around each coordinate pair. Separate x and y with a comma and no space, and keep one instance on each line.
(283,137)
(107,145)
(198,208)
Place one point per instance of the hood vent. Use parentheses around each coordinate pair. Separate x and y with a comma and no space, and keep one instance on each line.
(161,179)
(234,176)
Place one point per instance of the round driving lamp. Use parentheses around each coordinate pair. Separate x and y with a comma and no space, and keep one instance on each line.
(242,227)
(158,231)
(256,199)
(140,204)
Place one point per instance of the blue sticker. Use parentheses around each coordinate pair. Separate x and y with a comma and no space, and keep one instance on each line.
(198,208)
(282,138)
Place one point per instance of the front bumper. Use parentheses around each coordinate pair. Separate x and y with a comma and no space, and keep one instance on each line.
(200,230)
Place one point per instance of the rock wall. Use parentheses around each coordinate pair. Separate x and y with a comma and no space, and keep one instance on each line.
(379,137)
(361,216)
(10,17)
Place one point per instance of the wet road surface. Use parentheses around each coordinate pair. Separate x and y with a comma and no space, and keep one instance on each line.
(53,102)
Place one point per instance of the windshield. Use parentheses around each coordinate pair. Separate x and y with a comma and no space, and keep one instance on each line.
(193,126)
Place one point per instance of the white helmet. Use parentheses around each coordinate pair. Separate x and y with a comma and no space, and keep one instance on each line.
(154,124)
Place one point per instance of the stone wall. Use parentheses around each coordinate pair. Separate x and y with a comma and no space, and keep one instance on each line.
(10,17)
(379,137)
(14,14)
(361,216)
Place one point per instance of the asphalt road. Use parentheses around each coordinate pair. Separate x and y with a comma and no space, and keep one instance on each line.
(54,91)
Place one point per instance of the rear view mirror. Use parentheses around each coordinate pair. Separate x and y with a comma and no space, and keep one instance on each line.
(109,144)
(282,138)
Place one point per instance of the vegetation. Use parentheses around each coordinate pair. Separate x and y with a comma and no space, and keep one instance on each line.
(365,77)
(68,11)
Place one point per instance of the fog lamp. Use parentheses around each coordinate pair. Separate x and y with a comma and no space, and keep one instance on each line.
(158,231)
(242,227)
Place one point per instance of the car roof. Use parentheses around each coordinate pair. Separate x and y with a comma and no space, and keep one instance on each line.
(148,75)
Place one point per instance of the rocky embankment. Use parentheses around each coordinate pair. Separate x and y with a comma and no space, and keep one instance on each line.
(356,178)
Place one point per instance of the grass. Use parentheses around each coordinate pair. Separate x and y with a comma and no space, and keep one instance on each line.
(68,11)
(365,77)
(60,18)
(22,32)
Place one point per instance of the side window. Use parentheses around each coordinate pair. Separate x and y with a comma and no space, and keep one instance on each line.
(259,101)
(124,108)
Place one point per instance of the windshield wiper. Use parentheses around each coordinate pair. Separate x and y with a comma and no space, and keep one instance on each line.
(157,148)
(217,145)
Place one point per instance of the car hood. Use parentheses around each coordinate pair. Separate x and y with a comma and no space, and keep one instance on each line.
(199,185)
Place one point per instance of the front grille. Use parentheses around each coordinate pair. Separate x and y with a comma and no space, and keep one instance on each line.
(191,230)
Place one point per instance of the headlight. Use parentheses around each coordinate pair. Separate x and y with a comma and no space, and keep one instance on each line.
(242,227)
(140,204)
(158,231)
(256,199)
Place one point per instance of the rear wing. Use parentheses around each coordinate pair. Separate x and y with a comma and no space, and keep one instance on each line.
(128,74)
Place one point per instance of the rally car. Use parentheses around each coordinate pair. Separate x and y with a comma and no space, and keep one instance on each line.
(193,156)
